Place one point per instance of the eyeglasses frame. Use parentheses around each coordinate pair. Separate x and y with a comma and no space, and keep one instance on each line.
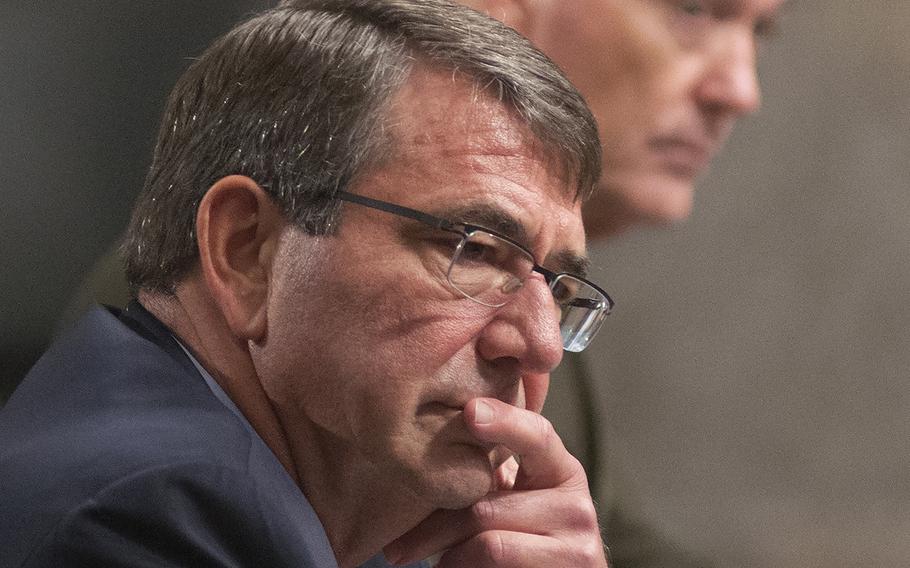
(464,229)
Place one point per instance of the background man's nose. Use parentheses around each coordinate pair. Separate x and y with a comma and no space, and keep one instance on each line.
(730,83)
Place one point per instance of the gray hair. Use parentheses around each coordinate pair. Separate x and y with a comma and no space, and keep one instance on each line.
(294,98)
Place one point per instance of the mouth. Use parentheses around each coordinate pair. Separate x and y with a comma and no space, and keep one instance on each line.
(684,157)
(454,403)
(448,418)
(440,408)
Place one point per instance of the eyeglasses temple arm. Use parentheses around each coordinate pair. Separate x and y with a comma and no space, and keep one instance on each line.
(426,218)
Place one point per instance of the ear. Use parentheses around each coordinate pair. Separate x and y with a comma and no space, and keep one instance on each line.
(237,230)
(517,14)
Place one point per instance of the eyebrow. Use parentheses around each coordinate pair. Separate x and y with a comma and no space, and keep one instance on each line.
(766,22)
(568,261)
(490,217)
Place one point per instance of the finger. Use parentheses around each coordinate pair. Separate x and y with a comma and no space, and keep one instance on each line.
(545,462)
(544,513)
(504,549)
(535,389)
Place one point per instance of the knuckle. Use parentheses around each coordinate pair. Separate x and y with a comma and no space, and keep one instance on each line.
(545,432)
(494,547)
(585,515)
(578,471)
(589,553)
(483,513)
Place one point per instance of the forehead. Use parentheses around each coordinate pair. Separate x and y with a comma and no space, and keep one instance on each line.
(732,6)
(444,114)
(746,10)
(456,150)
(746,6)
(594,13)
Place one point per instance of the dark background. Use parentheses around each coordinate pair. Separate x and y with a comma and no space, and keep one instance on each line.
(83,85)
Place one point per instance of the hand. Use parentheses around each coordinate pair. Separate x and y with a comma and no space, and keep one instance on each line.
(546,519)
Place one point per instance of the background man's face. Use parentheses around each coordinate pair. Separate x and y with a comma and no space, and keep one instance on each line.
(370,350)
(666,79)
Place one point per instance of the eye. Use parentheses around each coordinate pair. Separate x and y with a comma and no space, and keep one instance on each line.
(444,245)
(475,251)
(765,27)
(483,247)
(563,291)
(692,8)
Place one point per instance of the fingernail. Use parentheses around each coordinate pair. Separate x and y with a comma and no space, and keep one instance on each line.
(483,413)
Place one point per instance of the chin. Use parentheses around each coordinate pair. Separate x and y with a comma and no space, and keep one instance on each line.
(457,480)
(653,200)
(670,209)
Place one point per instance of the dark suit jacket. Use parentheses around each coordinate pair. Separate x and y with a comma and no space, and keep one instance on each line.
(115,452)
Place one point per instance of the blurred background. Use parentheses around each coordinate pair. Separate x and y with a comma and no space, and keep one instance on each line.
(754,379)
(83,88)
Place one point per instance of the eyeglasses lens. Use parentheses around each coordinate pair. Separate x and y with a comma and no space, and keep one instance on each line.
(583,310)
(489,269)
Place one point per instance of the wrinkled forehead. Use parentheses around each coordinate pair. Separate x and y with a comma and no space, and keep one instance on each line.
(459,153)
(460,117)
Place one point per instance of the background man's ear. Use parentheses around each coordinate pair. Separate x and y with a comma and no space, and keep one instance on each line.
(516,14)
(238,227)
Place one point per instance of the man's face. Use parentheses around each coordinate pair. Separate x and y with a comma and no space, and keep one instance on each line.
(371,355)
(666,79)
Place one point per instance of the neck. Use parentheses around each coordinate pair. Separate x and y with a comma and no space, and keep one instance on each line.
(193,318)
(361,510)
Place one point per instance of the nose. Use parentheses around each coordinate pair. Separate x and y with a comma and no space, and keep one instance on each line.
(525,332)
(730,83)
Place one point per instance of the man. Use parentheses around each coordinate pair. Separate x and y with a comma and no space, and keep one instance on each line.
(666,79)
(358,254)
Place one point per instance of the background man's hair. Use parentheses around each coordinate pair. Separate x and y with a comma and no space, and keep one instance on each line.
(295,99)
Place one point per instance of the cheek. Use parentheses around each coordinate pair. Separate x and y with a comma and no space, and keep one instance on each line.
(645,55)
(617,55)
(415,338)
(392,336)
(381,381)
(346,346)
(404,309)
(591,59)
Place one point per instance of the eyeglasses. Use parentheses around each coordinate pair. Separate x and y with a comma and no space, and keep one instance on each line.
(489,268)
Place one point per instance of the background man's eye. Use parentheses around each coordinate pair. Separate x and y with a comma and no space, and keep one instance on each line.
(765,27)
(692,8)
